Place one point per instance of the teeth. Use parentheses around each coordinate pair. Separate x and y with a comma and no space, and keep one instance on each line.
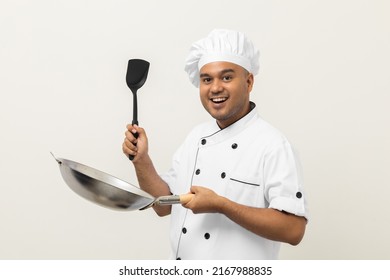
(219,99)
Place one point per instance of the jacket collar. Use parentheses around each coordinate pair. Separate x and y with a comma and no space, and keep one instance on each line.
(216,134)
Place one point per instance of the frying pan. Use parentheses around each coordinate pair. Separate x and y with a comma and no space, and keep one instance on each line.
(108,191)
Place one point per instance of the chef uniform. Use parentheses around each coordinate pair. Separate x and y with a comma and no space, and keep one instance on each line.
(249,162)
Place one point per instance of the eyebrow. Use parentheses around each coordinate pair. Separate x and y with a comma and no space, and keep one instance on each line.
(221,73)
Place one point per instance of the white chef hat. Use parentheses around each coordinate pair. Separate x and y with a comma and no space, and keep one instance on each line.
(222,45)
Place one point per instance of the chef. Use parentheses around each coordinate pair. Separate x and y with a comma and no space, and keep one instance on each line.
(245,177)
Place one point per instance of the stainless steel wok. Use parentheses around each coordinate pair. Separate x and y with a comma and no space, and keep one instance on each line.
(109,191)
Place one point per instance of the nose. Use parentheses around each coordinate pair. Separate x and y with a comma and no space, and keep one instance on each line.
(216,86)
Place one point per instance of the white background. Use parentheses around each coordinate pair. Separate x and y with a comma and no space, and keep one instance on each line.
(324,82)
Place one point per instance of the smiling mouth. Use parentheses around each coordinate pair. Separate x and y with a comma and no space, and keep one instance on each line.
(218,100)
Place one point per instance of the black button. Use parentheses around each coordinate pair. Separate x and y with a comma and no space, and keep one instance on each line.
(204,141)
(197,172)
(299,194)
(207,235)
(178,259)
(184,230)
(223,175)
(234,146)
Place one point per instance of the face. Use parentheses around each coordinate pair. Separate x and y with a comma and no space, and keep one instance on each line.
(224,91)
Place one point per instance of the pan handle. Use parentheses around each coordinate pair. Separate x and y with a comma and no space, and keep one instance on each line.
(174,199)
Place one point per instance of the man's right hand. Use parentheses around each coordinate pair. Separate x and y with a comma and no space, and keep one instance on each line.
(137,147)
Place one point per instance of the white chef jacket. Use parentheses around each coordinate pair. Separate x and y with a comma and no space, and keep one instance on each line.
(249,162)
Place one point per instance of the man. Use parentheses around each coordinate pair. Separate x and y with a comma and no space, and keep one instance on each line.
(247,186)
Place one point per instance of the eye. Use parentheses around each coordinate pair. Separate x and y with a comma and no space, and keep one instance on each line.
(227,78)
(206,80)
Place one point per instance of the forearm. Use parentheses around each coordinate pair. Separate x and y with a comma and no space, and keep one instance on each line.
(266,222)
(151,182)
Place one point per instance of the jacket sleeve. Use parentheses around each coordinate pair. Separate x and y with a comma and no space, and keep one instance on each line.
(284,181)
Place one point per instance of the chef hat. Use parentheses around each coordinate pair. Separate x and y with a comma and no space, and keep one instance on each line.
(222,45)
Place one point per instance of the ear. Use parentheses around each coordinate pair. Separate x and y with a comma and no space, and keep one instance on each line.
(249,81)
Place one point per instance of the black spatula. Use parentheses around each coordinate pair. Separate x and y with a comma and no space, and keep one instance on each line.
(137,72)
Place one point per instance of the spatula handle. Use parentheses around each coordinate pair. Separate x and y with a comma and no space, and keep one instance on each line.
(131,157)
